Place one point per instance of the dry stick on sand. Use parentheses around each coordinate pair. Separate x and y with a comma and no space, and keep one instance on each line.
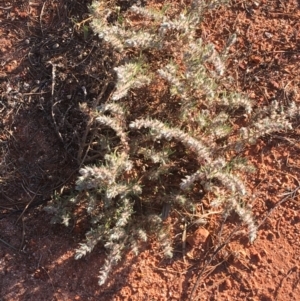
(293,269)
(208,262)
(53,104)
(28,204)
(288,195)
(8,245)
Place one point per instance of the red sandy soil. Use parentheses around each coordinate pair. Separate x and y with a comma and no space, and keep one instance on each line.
(37,258)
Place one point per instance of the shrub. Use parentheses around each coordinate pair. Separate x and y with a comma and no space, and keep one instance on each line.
(163,46)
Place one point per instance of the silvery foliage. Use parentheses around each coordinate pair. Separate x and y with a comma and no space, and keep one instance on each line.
(107,189)
(129,76)
(160,130)
(205,107)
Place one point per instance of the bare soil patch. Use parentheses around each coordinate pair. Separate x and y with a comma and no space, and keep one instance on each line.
(41,131)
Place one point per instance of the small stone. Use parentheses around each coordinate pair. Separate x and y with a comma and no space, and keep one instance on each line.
(255,256)
(198,238)
(55,46)
(228,284)
(270,236)
(268,35)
